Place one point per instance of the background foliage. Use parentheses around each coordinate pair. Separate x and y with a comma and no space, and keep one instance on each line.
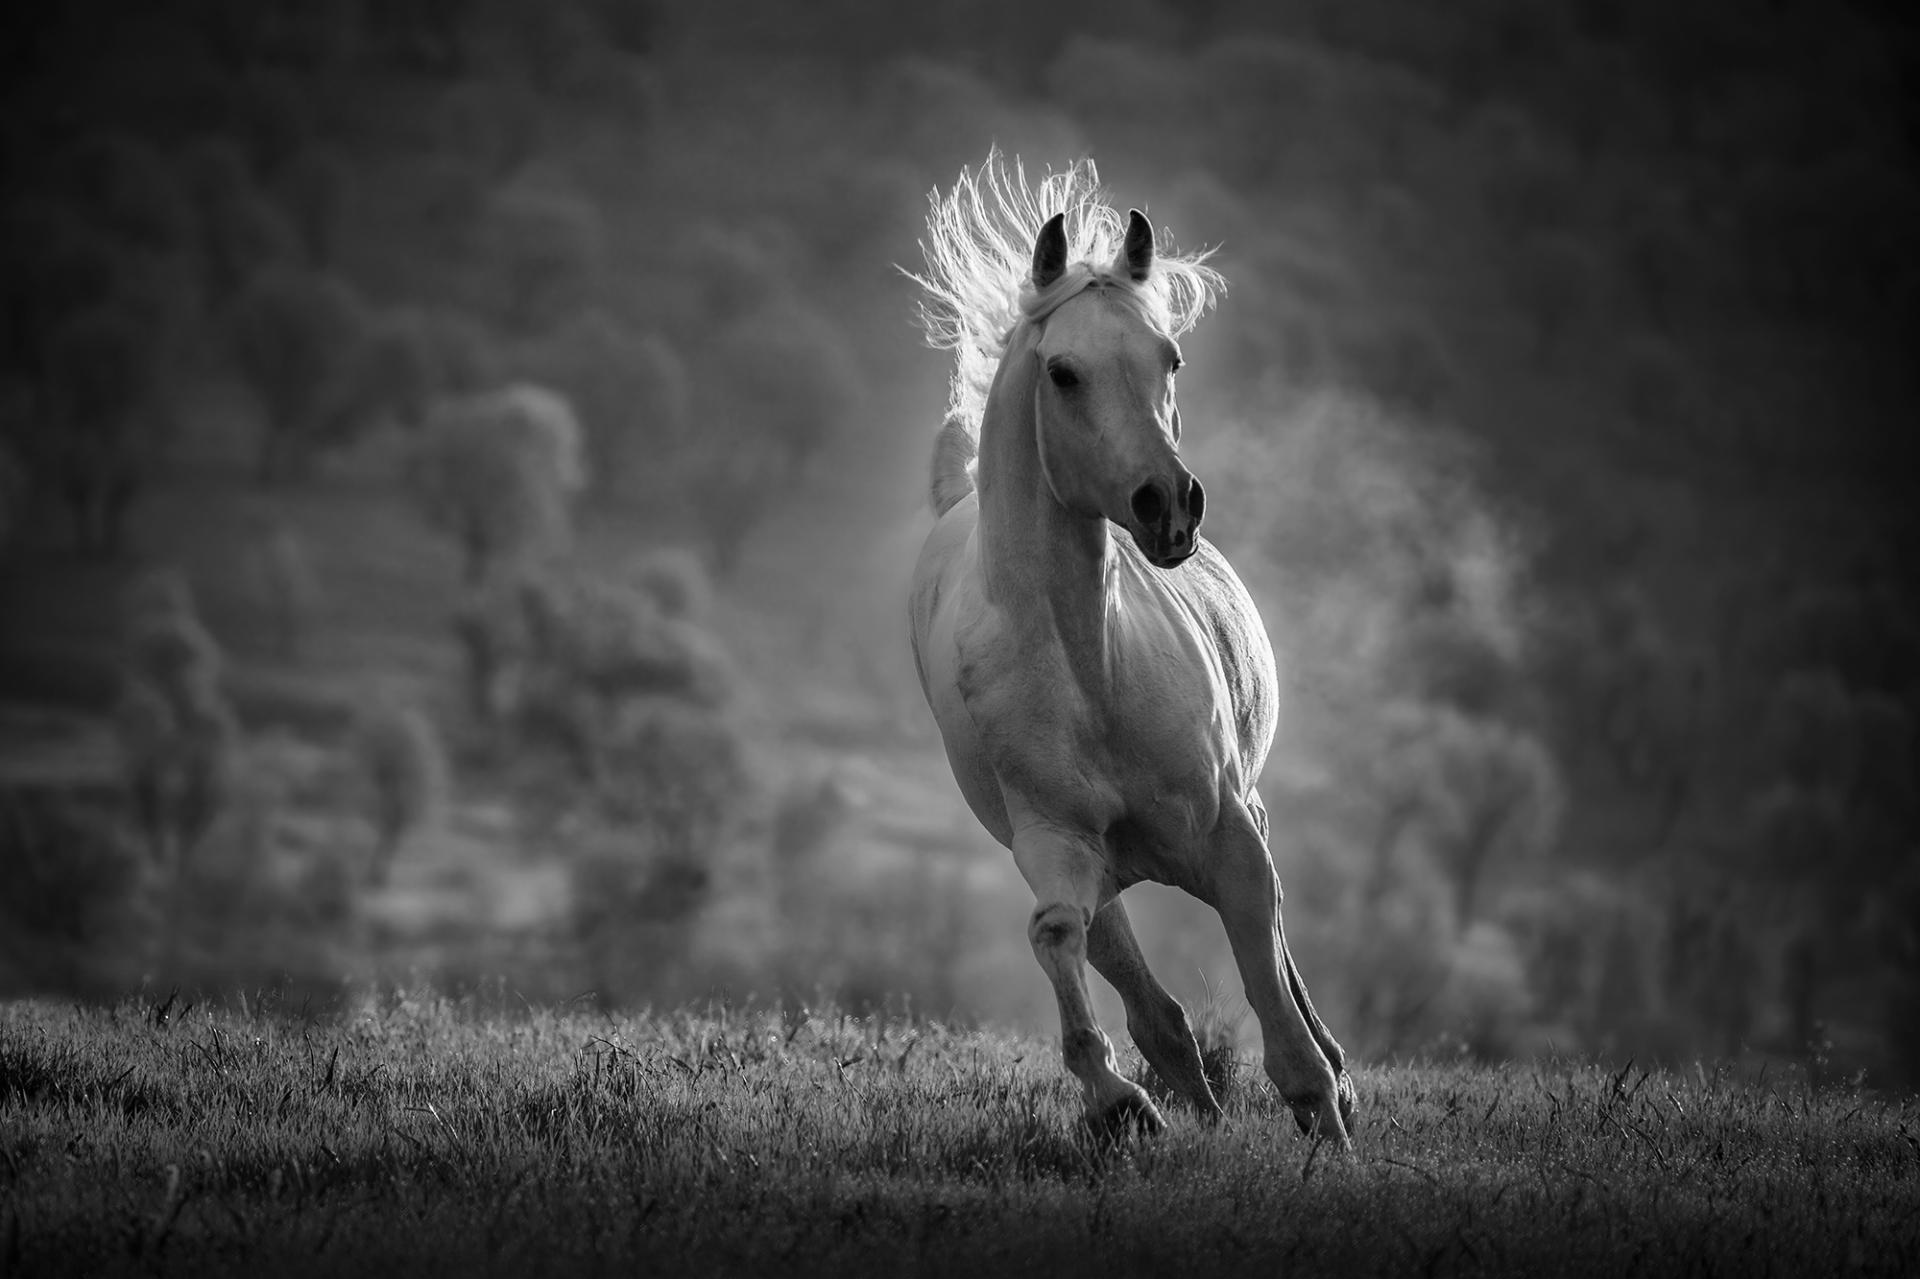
(459,464)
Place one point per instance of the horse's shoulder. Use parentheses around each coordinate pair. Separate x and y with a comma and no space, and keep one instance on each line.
(934,570)
(1232,623)
(1214,591)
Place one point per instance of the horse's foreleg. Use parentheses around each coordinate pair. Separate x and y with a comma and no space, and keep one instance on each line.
(1155,1019)
(1066,874)
(1329,1046)
(1246,892)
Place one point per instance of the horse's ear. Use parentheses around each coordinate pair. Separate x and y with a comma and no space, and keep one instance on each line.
(1050,251)
(1137,254)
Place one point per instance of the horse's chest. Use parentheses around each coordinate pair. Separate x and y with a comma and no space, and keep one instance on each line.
(1075,748)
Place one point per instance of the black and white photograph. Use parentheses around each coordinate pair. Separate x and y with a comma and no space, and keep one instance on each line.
(1240,637)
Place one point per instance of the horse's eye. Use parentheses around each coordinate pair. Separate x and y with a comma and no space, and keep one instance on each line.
(1063,377)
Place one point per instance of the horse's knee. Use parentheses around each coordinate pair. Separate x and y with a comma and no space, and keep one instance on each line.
(1057,926)
(1248,884)
(1086,1049)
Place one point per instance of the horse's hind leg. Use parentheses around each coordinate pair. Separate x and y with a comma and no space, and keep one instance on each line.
(1246,892)
(1154,1018)
(1066,874)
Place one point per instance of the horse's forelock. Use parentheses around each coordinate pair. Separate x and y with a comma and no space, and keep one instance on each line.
(979,250)
(1037,304)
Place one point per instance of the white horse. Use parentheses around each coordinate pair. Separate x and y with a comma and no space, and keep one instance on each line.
(1107,702)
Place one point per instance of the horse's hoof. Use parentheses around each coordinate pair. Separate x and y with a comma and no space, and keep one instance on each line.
(1346,1099)
(1327,1118)
(1132,1114)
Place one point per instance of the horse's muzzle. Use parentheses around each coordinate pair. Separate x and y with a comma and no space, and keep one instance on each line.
(1166,519)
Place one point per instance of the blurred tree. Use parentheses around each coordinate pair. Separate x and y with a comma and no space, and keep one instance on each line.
(1556,280)
(490,626)
(274,117)
(403,770)
(389,375)
(1633,701)
(15,492)
(178,736)
(1659,387)
(406,359)
(421,35)
(496,125)
(632,392)
(1624,998)
(607,642)
(497,472)
(626,90)
(462,354)
(74,879)
(786,372)
(56,268)
(733,489)
(280,582)
(293,337)
(551,41)
(128,189)
(678,779)
(315,187)
(1660,249)
(551,646)
(545,249)
(1529,182)
(624,698)
(1833,237)
(631,28)
(1809,731)
(1867,635)
(1477,793)
(240,232)
(448,196)
(1899,937)
(107,422)
(731,270)
(674,578)
(556,654)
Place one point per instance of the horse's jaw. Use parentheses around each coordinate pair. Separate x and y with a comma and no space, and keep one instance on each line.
(1168,561)
(1155,548)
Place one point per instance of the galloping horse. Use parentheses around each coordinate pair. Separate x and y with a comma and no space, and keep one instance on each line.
(1107,702)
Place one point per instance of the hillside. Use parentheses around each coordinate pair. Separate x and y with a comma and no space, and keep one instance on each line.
(459,465)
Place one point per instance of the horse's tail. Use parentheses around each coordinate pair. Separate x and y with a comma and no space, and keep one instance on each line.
(952,472)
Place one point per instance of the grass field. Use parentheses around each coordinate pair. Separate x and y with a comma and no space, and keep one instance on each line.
(419,1135)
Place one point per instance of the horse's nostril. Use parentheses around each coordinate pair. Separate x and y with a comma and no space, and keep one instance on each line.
(1196,501)
(1149,504)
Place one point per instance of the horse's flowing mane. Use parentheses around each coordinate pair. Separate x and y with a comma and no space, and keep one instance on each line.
(979,251)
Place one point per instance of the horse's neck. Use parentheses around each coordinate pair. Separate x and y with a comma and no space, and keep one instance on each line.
(1039,561)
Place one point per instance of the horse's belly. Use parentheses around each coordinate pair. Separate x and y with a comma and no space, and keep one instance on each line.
(966,751)
(942,595)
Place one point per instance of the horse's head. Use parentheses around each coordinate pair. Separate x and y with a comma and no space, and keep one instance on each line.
(1109,431)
